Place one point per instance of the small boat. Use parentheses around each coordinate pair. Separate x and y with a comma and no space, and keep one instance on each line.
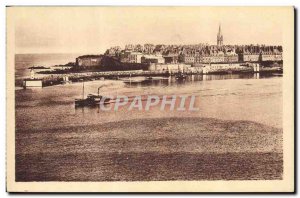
(180,76)
(91,100)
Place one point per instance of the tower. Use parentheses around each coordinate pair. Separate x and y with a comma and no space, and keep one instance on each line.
(219,37)
(32,73)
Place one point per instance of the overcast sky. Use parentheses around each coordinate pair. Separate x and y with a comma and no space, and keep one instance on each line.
(94,29)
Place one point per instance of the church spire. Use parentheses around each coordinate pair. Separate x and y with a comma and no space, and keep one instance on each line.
(219,37)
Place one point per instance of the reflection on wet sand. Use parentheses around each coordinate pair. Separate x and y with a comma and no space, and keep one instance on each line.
(236,134)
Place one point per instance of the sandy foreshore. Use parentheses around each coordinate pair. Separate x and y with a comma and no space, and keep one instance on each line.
(151,149)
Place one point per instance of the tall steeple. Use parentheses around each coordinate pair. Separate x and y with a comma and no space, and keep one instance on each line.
(219,37)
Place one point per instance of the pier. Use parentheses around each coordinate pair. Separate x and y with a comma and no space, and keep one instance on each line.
(56,79)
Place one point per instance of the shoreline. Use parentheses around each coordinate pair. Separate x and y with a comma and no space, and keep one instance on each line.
(58,78)
(182,148)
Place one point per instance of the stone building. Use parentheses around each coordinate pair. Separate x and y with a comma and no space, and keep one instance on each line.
(89,60)
(171,59)
(187,58)
(171,68)
(131,57)
(274,55)
(249,57)
(231,57)
(149,48)
(152,59)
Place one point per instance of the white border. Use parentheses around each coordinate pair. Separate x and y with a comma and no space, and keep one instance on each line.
(4,3)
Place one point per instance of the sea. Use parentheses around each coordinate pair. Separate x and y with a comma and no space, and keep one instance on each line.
(57,142)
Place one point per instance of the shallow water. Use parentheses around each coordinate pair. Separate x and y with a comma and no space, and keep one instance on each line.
(57,142)
(251,97)
(258,100)
(151,149)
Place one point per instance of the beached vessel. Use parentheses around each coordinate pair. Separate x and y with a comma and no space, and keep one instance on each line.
(91,100)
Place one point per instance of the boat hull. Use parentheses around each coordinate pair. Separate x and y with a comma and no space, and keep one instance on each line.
(90,103)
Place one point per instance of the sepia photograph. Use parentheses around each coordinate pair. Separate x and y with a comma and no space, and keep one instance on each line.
(150,99)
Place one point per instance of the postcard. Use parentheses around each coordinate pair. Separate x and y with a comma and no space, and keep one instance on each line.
(150,99)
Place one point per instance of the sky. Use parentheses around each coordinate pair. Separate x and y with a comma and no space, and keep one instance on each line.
(95,29)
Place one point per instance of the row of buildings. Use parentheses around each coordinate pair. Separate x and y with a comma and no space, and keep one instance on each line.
(203,54)
(187,54)
(193,54)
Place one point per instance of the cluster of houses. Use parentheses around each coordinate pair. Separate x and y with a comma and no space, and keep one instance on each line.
(193,54)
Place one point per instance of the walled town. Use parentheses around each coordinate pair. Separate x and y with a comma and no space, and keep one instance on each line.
(199,55)
(157,60)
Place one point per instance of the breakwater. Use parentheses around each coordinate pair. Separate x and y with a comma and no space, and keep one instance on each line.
(55,79)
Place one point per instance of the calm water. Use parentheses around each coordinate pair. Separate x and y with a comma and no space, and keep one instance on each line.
(235,97)
(23,61)
(56,142)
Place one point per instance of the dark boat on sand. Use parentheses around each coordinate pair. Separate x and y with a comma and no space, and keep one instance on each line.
(91,100)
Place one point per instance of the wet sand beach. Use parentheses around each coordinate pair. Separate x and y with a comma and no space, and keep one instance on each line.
(151,149)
